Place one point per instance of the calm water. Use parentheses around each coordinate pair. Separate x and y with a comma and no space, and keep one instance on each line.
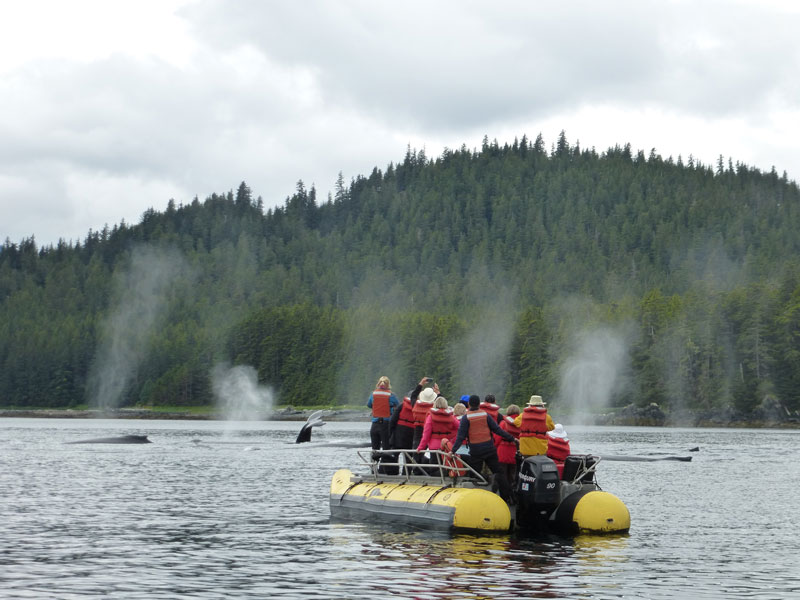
(244,513)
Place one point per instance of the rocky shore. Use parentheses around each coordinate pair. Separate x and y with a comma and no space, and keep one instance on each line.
(764,415)
(767,414)
(287,413)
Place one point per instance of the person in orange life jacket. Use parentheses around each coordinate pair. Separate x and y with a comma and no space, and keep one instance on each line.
(558,447)
(506,451)
(490,406)
(440,423)
(401,427)
(382,402)
(533,423)
(478,426)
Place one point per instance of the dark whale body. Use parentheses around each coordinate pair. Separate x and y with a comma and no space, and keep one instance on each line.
(123,439)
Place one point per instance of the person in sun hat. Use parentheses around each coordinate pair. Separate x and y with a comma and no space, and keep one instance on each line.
(440,425)
(422,407)
(558,446)
(534,423)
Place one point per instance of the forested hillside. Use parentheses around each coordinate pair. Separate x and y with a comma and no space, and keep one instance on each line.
(590,278)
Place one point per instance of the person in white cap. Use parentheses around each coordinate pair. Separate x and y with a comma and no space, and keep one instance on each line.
(558,447)
(534,423)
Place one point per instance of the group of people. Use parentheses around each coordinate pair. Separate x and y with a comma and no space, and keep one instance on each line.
(425,421)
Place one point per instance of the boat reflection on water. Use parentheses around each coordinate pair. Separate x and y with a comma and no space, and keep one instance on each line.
(441,564)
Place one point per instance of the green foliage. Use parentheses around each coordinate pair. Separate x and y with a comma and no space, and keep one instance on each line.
(460,267)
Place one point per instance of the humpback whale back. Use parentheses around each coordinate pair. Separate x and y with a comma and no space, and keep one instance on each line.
(123,439)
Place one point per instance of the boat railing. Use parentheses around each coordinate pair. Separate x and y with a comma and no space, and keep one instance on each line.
(585,469)
(405,466)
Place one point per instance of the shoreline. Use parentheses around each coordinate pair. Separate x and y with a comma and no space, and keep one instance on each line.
(281,414)
(289,413)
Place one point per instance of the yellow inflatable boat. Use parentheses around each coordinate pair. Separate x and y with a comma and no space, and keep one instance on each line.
(437,496)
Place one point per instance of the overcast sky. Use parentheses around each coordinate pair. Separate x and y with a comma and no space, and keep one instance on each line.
(108,108)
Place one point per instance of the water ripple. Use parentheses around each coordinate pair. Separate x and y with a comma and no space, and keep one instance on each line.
(245,515)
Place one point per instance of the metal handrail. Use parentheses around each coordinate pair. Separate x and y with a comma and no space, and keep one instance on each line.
(408,469)
(581,473)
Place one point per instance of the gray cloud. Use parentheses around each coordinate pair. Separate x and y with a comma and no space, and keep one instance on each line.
(274,92)
(464,64)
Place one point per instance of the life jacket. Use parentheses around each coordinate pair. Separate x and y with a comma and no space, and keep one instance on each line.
(507,451)
(491,408)
(558,449)
(507,423)
(441,422)
(479,431)
(457,468)
(421,410)
(534,423)
(406,416)
(380,404)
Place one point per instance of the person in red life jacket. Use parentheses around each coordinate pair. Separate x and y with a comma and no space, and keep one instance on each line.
(558,447)
(422,407)
(507,451)
(383,403)
(478,427)
(440,424)
(490,406)
(401,427)
(534,423)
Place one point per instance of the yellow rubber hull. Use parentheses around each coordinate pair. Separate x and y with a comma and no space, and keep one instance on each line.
(430,505)
(592,512)
(601,512)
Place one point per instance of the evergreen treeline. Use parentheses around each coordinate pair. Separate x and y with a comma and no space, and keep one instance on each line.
(494,270)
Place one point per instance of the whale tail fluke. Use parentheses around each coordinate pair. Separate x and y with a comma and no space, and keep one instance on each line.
(314,420)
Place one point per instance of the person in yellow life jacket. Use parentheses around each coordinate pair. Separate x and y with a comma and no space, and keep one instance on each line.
(478,427)
(383,403)
(490,406)
(533,423)
(558,447)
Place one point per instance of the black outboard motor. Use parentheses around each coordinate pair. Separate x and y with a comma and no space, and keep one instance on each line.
(538,492)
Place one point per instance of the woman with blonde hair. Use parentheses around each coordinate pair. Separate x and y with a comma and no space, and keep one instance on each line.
(383,403)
